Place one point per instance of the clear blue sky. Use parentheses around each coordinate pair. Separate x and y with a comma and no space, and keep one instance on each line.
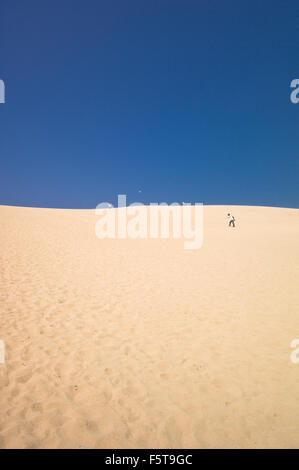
(185,100)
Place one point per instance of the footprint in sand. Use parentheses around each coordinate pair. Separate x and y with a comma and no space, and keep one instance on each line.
(91,426)
(24,378)
(38,407)
(104,398)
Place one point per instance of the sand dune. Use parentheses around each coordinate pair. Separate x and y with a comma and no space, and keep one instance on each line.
(140,343)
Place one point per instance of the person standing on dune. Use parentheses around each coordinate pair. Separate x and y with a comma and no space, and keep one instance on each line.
(231,220)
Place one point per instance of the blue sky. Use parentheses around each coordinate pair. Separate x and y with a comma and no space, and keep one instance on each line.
(184,100)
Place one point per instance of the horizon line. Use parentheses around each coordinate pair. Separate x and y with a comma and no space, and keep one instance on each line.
(147,205)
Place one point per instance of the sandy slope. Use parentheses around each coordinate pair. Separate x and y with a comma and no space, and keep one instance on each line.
(126,343)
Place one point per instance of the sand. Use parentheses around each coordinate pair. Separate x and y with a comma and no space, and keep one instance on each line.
(142,344)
